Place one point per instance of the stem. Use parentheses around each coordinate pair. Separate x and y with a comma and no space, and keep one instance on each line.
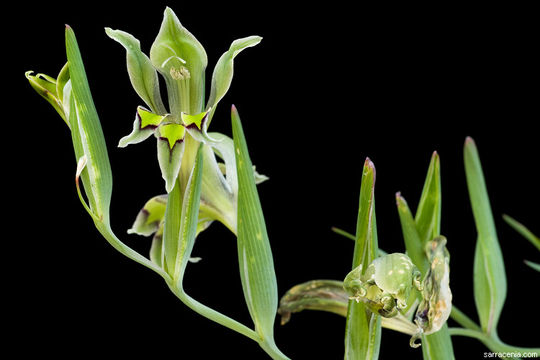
(343,233)
(213,315)
(272,350)
(108,234)
(463,319)
(492,342)
(269,347)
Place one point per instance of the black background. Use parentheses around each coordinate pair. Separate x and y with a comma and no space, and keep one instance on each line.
(327,87)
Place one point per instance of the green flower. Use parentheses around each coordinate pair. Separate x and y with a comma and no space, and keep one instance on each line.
(181,60)
(386,284)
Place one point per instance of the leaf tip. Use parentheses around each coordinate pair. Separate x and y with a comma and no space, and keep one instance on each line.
(400,200)
(469,141)
(369,167)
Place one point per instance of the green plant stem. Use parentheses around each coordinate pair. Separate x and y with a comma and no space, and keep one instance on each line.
(343,233)
(213,315)
(272,350)
(492,342)
(471,329)
(463,319)
(203,310)
(106,231)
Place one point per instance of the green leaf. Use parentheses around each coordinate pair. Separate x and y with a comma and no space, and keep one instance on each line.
(98,179)
(365,249)
(189,218)
(142,74)
(61,81)
(438,346)
(428,224)
(180,223)
(224,69)
(533,265)
(521,229)
(363,328)
(176,51)
(413,243)
(254,252)
(489,272)
(417,231)
(428,214)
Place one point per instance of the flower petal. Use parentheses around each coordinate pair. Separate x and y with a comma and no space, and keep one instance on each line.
(223,71)
(149,218)
(175,48)
(142,74)
(170,148)
(143,126)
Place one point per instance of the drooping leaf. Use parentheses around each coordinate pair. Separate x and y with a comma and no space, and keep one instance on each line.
(330,296)
(489,273)
(323,295)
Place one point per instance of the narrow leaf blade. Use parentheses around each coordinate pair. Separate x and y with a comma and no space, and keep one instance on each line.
(533,265)
(427,226)
(363,328)
(91,134)
(490,277)
(190,217)
(413,243)
(254,252)
(428,214)
(523,231)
